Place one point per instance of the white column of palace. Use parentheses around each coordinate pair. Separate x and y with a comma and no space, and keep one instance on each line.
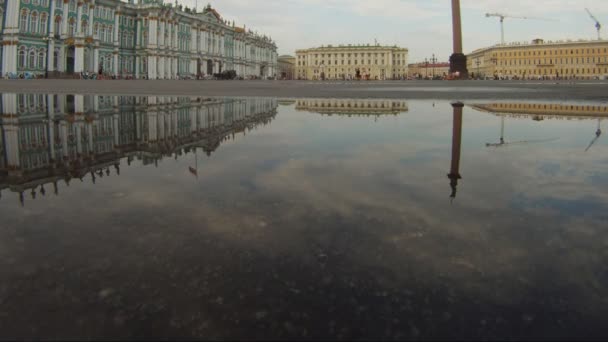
(50,138)
(137,38)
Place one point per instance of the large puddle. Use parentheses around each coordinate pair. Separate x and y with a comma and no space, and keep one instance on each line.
(251,218)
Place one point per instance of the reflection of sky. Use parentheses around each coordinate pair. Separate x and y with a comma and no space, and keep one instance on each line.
(309,182)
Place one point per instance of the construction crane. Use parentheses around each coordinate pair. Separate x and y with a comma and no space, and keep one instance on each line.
(502,141)
(598,26)
(502,22)
(598,134)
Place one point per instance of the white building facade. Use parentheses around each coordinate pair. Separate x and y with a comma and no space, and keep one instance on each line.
(139,39)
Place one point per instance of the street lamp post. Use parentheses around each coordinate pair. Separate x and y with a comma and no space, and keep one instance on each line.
(433,62)
(426,68)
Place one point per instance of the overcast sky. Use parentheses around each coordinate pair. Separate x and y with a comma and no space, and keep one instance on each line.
(423,26)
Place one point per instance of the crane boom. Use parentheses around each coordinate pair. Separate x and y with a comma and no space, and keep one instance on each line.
(502,20)
(598,26)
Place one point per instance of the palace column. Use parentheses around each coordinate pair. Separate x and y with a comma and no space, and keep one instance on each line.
(161,33)
(91,18)
(458,61)
(79,41)
(137,63)
(175,29)
(79,18)
(50,52)
(10,38)
(138,35)
(152,46)
(454,174)
(175,59)
(96,57)
(193,34)
(161,67)
(64,18)
(115,68)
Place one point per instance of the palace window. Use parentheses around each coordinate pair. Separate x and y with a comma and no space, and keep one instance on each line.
(57,25)
(72,27)
(43,23)
(85,26)
(56,59)
(34,22)
(72,7)
(23,21)
(41,59)
(21,61)
(31,63)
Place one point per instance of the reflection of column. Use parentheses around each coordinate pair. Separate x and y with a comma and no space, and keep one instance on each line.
(10,130)
(458,61)
(152,117)
(454,175)
(51,126)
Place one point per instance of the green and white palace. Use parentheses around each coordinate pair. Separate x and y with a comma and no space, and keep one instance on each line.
(137,38)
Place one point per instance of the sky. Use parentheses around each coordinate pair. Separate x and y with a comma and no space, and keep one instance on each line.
(422,26)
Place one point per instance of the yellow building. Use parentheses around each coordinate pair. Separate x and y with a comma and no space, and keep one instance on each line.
(346,62)
(542,60)
(362,107)
(541,111)
(424,70)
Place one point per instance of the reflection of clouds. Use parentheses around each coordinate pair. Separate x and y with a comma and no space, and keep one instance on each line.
(382,205)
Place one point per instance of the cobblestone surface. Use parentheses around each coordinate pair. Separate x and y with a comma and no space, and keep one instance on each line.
(445,90)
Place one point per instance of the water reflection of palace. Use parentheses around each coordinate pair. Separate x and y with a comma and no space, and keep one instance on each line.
(365,107)
(541,111)
(46,139)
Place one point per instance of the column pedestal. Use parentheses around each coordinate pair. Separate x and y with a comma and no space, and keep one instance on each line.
(458,66)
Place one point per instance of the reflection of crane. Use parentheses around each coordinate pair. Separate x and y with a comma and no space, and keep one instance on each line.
(502,22)
(598,26)
(598,134)
(523,142)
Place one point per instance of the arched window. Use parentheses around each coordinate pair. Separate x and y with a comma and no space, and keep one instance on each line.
(85,26)
(72,27)
(41,59)
(22,58)
(56,59)
(57,24)
(31,63)
(43,23)
(72,5)
(23,22)
(110,34)
(34,22)
(96,30)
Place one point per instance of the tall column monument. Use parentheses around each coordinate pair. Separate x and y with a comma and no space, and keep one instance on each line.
(458,61)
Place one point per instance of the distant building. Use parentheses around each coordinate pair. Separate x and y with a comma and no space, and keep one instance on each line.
(545,110)
(362,107)
(344,62)
(539,59)
(287,67)
(139,38)
(423,69)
